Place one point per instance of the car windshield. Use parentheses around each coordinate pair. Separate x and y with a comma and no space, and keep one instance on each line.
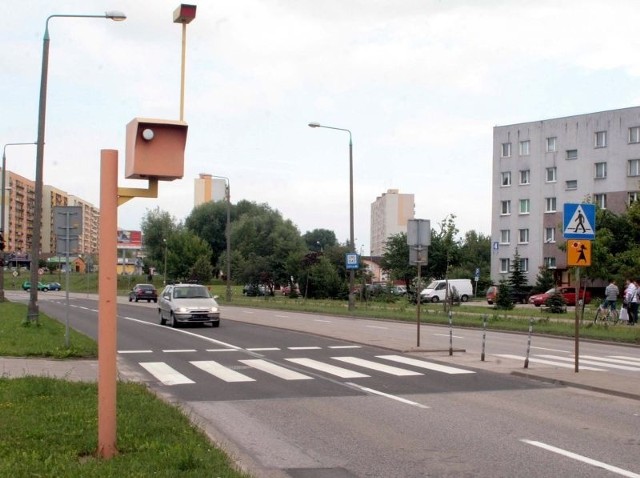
(191,293)
(551,291)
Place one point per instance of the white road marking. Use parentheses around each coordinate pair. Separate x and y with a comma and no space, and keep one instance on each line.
(592,362)
(550,350)
(220,371)
(447,335)
(324,367)
(173,351)
(392,397)
(400,372)
(166,374)
(583,459)
(277,370)
(324,321)
(376,327)
(282,316)
(546,362)
(423,364)
(625,357)
(345,346)
(305,348)
(262,349)
(611,359)
(222,350)
(135,351)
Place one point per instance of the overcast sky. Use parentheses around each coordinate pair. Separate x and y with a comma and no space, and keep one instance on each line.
(420,83)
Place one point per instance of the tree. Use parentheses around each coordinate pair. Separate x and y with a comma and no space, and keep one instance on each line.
(517,279)
(209,222)
(504,299)
(157,227)
(443,251)
(544,280)
(319,239)
(188,257)
(395,260)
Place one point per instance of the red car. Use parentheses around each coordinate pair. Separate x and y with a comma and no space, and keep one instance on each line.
(569,294)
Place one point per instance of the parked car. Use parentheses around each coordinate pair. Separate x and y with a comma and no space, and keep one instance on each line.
(54,286)
(398,290)
(143,292)
(437,289)
(26,285)
(188,303)
(251,290)
(569,294)
(516,297)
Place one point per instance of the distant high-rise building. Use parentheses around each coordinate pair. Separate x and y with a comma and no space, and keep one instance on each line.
(389,215)
(207,188)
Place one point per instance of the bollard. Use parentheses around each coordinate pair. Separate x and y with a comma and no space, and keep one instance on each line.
(484,335)
(526,360)
(450,335)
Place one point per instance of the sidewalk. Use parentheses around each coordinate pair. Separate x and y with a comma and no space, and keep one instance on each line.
(73,370)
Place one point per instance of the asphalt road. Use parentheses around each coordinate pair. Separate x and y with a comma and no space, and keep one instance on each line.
(269,395)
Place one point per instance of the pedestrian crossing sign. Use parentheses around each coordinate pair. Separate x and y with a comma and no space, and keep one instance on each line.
(579,221)
(578,252)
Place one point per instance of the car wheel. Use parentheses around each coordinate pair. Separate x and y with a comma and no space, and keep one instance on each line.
(174,322)
(130,299)
(464,298)
(435,298)
(44,289)
(155,301)
(215,324)
(163,321)
(148,301)
(136,299)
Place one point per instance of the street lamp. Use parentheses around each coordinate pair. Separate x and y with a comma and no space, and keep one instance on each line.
(228,233)
(3,190)
(352,245)
(164,280)
(32,310)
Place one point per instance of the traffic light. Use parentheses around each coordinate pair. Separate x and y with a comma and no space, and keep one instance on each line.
(1,242)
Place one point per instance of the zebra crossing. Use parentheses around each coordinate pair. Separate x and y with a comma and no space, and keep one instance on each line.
(350,367)
(587,362)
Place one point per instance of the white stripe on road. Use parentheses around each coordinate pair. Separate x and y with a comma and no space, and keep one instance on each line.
(447,335)
(173,351)
(546,362)
(166,374)
(635,359)
(597,363)
(423,364)
(400,372)
(550,350)
(376,327)
(135,351)
(282,316)
(277,370)
(222,350)
(220,371)
(583,459)
(304,348)
(324,321)
(345,346)
(263,349)
(330,369)
(382,394)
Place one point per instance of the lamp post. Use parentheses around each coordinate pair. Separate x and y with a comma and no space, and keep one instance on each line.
(164,277)
(352,246)
(32,310)
(228,233)
(2,213)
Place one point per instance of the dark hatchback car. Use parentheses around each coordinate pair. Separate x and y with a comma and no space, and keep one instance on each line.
(143,292)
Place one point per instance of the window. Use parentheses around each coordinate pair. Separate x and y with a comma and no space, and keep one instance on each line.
(550,262)
(634,134)
(634,167)
(524,148)
(549,235)
(572,184)
(506,150)
(633,197)
(524,264)
(525,206)
(600,200)
(505,236)
(550,205)
(551,144)
(601,139)
(525,176)
(551,175)
(523,236)
(572,154)
(505,266)
(601,170)
(505,208)
(505,178)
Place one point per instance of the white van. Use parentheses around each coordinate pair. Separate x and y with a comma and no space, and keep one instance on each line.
(437,289)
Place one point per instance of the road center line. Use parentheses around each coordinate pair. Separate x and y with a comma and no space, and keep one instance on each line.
(584,459)
(386,395)
(376,327)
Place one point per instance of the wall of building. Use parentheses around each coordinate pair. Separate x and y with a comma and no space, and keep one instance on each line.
(389,215)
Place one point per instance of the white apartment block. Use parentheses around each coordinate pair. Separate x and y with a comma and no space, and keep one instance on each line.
(541,165)
(209,188)
(389,215)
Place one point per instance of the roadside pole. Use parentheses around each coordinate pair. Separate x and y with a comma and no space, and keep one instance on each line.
(418,240)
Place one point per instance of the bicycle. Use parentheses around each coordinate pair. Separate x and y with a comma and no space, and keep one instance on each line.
(604,314)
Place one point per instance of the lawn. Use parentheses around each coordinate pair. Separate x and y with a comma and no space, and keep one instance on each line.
(49,426)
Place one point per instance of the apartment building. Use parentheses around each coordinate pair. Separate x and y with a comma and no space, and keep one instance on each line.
(541,165)
(19,201)
(389,215)
(208,188)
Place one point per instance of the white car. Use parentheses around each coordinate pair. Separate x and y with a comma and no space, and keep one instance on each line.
(188,304)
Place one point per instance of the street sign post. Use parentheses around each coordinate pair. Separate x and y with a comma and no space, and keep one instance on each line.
(418,240)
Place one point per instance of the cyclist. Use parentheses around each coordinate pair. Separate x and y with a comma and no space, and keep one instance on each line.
(611,293)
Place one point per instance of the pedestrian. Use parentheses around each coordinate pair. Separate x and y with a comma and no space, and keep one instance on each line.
(611,293)
(631,299)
